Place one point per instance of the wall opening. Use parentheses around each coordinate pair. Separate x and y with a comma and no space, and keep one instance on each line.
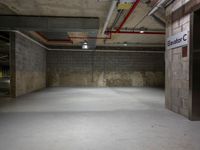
(4,64)
(195,64)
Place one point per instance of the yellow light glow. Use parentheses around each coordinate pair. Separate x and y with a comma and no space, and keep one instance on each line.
(124,6)
(1,74)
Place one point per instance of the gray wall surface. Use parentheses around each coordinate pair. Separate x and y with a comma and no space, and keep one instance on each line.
(30,66)
(177,66)
(65,68)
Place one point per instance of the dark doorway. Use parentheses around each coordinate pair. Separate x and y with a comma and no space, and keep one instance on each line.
(4,64)
(195,65)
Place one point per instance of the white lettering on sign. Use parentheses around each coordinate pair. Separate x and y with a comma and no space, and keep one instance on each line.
(178,40)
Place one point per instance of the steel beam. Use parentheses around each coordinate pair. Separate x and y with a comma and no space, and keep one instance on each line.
(92,42)
(158,20)
(53,24)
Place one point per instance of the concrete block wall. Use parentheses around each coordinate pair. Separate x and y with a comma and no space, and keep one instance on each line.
(177,67)
(30,66)
(65,68)
(33,66)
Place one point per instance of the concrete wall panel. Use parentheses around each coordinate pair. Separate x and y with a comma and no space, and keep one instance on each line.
(104,69)
(177,66)
(30,66)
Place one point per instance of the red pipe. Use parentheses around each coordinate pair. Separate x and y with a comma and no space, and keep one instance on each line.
(128,15)
(114,32)
(137,32)
(103,38)
(119,32)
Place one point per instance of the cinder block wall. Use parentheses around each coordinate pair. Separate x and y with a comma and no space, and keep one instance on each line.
(30,66)
(65,68)
(177,67)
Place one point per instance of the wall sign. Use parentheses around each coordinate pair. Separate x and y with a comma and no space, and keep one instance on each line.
(177,40)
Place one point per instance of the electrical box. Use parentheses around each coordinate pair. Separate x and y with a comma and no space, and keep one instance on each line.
(125,4)
(127,1)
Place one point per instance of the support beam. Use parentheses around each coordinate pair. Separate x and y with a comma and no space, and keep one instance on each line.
(158,20)
(92,42)
(158,5)
(53,24)
(112,8)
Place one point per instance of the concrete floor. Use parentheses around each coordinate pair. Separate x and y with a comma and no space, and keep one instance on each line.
(95,119)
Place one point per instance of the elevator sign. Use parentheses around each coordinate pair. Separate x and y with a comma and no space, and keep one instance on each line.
(177,40)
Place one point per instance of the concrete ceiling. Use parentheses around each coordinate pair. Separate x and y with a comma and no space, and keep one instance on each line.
(88,8)
(76,8)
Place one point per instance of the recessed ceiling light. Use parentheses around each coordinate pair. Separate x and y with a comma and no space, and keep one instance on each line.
(85,45)
(125,44)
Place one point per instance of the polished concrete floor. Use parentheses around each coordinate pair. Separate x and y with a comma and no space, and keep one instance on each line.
(95,119)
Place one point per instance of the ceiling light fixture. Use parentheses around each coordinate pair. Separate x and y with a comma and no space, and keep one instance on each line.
(125,44)
(141,31)
(85,45)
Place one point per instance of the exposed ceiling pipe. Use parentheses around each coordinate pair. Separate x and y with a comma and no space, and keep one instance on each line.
(114,3)
(169,3)
(119,14)
(47,48)
(157,6)
(120,32)
(129,13)
(109,51)
(137,32)
(137,44)
(110,35)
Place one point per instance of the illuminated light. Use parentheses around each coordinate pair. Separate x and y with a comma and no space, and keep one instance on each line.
(85,45)
(125,44)
(141,31)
